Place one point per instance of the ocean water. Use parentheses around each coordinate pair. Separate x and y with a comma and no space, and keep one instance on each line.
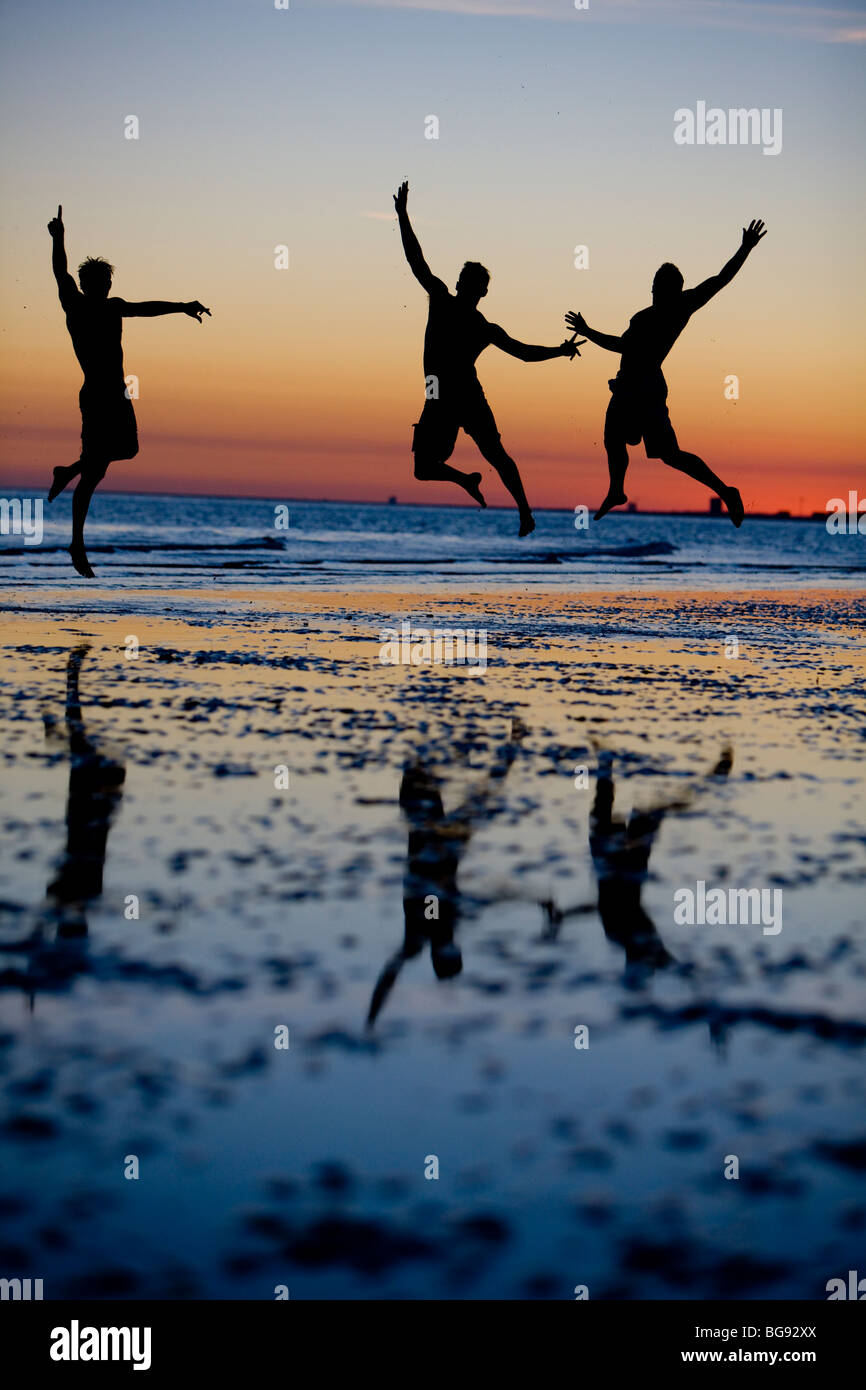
(136,540)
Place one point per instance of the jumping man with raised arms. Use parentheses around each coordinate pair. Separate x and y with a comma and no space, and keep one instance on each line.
(108,429)
(457,333)
(638,407)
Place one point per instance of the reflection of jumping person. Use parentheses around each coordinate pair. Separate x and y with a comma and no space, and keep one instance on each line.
(457,333)
(620,851)
(437,844)
(638,407)
(95,324)
(53,951)
(95,789)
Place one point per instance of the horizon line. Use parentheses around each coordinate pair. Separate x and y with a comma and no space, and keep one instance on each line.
(782,514)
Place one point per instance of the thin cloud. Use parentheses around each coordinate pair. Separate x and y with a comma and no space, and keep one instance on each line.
(392,217)
(497,9)
(831,24)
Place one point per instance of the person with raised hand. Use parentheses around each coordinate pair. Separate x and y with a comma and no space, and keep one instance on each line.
(457,333)
(108,428)
(638,407)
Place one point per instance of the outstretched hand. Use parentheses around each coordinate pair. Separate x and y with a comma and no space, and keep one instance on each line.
(753,233)
(55,226)
(401,197)
(195,310)
(576,322)
(570,348)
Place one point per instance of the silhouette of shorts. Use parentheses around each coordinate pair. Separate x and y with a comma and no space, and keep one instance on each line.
(436,432)
(634,415)
(108,428)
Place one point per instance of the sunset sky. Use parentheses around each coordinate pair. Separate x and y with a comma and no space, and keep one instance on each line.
(261,126)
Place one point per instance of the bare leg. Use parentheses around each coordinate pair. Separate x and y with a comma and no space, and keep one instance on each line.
(91,476)
(617,463)
(697,469)
(63,476)
(508,472)
(429,472)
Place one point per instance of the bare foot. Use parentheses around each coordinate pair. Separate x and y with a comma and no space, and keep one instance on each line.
(527,523)
(472,486)
(613,499)
(79,559)
(734,504)
(62,478)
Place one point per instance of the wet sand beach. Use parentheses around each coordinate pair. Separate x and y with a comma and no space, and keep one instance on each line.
(297,930)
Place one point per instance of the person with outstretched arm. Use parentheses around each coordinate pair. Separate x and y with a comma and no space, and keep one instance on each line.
(108,428)
(457,333)
(638,407)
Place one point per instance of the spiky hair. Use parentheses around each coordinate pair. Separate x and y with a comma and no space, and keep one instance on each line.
(94,265)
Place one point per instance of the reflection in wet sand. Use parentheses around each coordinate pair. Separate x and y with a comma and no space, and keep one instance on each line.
(437,843)
(95,790)
(305,1167)
(620,848)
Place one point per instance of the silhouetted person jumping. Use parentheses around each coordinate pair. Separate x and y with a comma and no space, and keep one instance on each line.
(638,408)
(457,333)
(95,323)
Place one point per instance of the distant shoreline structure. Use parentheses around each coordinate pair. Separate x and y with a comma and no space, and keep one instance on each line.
(705,515)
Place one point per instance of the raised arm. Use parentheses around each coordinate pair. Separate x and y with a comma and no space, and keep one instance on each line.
(578,324)
(702,293)
(411,245)
(152,308)
(474,804)
(527,352)
(66,286)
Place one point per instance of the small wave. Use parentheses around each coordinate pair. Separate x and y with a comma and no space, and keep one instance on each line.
(636,551)
(146,547)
